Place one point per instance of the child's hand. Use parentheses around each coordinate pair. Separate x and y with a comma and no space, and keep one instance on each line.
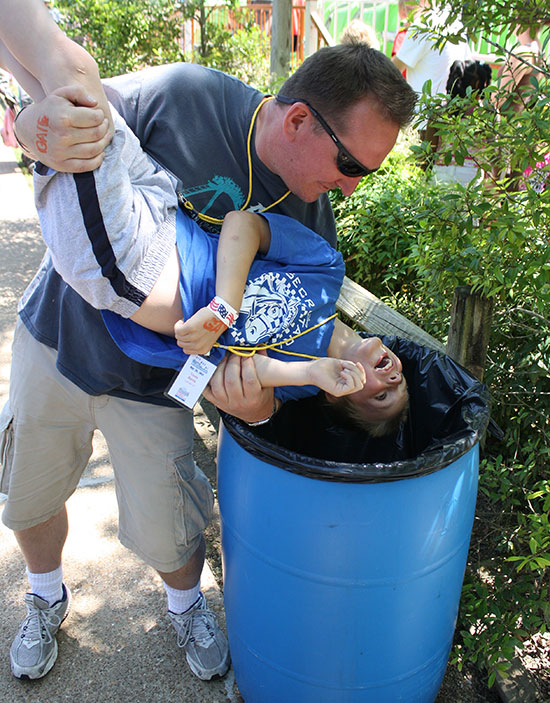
(198,334)
(337,376)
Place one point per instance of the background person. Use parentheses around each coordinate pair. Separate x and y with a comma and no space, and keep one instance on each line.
(462,75)
(404,9)
(359,31)
(514,75)
(424,61)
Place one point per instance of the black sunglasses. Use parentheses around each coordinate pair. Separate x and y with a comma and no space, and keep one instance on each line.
(345,162)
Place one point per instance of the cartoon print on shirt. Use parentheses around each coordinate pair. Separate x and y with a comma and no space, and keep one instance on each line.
(275,307)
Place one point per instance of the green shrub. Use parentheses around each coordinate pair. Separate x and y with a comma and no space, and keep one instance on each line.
(243,54)
(411,243)
(124,36)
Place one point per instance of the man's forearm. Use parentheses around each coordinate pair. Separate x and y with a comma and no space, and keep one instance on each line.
(36,42)
(27,81)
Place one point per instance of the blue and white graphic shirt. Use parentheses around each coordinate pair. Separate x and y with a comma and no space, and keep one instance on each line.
(291,289)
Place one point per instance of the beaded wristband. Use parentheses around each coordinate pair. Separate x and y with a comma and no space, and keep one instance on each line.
(223,311)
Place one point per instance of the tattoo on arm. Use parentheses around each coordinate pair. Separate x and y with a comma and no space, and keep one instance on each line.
(42,126)
(214,325)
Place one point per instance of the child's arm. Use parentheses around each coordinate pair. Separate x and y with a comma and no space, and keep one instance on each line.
(242,236)
(336,376)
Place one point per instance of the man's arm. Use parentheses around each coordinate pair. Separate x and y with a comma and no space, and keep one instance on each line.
(43,59)
(236,389)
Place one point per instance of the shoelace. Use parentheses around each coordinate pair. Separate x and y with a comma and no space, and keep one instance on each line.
(37,624)
(197,626)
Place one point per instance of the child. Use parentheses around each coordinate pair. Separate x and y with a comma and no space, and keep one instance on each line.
(290,294)
(135,202)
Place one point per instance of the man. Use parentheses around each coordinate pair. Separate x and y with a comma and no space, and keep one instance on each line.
(229,148)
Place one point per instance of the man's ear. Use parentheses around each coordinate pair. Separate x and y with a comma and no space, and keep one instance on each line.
(295,119)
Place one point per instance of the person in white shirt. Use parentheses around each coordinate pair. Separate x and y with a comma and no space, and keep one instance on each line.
(423,60)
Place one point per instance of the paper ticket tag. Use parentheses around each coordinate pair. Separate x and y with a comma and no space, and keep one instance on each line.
(190,382)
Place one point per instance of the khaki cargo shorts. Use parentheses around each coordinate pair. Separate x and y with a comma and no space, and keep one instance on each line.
(164,499)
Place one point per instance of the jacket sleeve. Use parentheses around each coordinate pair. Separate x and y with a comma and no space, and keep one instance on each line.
(109,231)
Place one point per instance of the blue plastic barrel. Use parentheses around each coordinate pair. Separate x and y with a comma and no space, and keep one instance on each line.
(342,583)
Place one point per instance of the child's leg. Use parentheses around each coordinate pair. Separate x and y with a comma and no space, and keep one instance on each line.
(111,231)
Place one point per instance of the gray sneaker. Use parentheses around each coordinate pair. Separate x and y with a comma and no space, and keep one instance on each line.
(34,649)
(205,645)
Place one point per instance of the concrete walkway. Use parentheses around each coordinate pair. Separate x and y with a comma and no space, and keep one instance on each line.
(116,644)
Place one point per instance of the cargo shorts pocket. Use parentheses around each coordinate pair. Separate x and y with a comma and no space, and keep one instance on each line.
(6,447)
(197,504)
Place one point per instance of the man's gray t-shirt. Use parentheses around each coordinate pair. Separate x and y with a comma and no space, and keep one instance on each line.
(195,122)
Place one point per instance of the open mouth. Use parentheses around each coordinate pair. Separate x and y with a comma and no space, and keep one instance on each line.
(384,362)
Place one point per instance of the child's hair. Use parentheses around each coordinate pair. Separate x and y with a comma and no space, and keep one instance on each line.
(464,74)
(346,407)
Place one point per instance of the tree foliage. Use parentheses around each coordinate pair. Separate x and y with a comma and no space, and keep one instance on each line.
(124,36)
(237,46)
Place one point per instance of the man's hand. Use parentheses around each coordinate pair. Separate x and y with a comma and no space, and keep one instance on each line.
(198,334)
(235,389)
(65,131)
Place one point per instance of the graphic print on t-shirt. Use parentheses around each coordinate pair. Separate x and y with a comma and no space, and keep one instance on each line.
(218,186)
(275,307)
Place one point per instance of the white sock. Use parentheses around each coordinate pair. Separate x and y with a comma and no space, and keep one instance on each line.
(181,600)
(48,586)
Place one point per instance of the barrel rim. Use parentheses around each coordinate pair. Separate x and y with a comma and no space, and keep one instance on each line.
(433,459)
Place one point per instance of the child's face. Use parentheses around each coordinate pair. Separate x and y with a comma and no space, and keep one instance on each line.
(385,391)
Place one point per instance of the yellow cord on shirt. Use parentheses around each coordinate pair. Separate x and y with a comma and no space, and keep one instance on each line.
(217,221)
(250,351)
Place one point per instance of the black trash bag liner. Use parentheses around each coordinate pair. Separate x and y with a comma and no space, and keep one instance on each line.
(448,414)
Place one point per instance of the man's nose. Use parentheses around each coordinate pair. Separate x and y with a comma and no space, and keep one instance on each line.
(348,185)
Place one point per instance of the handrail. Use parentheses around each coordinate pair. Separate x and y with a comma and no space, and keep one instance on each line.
(372,315)
(321,29)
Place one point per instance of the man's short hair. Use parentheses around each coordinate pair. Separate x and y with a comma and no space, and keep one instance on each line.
(335,78)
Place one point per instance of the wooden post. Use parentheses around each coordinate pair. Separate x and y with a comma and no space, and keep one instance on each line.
(310,31)
(281,31)
(469,330)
